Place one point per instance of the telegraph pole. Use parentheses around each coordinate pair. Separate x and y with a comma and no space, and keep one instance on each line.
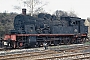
(32,8)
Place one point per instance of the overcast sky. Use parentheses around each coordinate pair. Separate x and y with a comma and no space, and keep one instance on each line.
(81,7)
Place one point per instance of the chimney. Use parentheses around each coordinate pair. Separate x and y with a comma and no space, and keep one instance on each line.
(24,11)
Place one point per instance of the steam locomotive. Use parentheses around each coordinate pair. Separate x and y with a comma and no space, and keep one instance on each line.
(30,31)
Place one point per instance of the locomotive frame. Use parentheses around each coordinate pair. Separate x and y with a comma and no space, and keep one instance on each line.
(18,40)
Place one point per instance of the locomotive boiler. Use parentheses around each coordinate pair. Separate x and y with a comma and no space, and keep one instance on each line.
(31,31)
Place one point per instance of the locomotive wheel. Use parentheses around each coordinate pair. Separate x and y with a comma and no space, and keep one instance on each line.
(37,44)
(68,41)
(77,41)
(65,41)
(56,42)
(72,40)
(40,44)
(49,43)
(26,45)
(20,45)
(83,40)
(60,42)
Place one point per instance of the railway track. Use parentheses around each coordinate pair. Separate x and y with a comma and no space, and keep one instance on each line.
(63,53)
(75,56)
(23,55)
(47,56)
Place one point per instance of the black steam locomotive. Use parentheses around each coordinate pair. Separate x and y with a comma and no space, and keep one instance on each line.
(30,31)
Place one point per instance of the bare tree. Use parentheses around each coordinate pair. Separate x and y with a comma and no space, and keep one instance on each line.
(33,6)
(59,13)
(72,14)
